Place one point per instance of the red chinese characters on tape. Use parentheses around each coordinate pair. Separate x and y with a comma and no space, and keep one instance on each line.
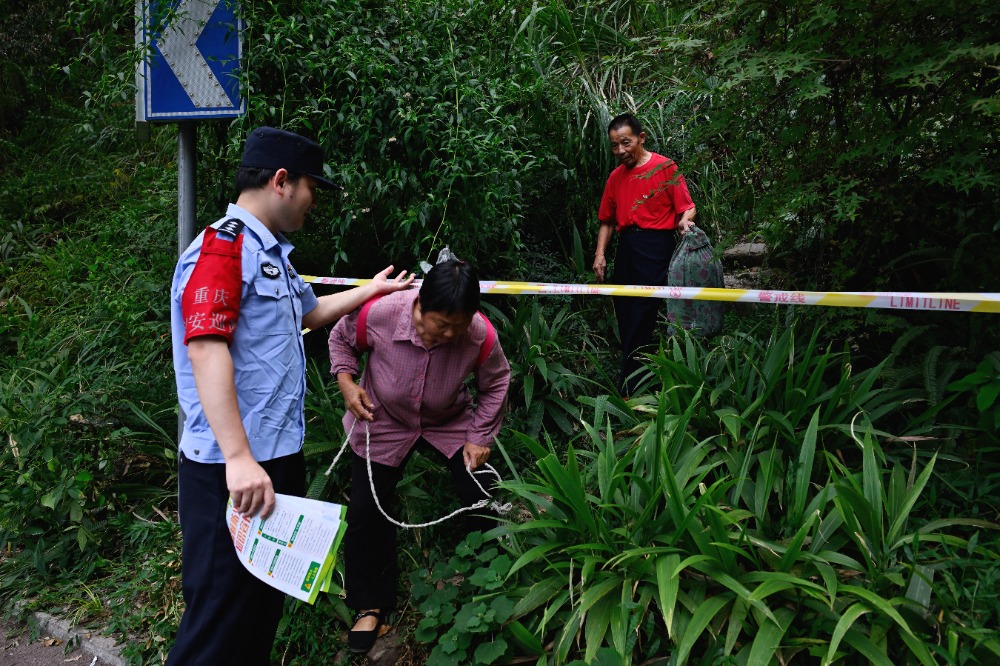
(781,297)
(211,300)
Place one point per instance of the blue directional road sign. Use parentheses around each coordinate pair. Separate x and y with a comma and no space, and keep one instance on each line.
(192,64)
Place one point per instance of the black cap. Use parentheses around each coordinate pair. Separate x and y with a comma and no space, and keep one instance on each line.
(271,148)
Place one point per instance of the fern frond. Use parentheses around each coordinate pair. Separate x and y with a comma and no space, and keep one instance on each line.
(931,383)
(904,340)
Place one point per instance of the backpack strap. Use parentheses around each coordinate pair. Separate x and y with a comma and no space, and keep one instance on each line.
(362,334)
(491,338)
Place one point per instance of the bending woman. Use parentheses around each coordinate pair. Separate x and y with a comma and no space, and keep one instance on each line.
(423,346)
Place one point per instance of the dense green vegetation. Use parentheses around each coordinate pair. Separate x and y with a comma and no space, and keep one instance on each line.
(816,485)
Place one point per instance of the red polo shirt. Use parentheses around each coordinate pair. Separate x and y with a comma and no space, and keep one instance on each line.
(651,196)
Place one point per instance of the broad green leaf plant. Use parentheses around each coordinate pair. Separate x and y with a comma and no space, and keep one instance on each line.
(727,516)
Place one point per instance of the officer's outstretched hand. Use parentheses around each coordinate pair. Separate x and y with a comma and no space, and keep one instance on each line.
(249,486)
(384,285)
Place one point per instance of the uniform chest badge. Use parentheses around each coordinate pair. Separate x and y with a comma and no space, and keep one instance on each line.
(291,271)
(270,270)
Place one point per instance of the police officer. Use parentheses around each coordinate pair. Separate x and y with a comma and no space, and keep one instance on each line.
(237,310)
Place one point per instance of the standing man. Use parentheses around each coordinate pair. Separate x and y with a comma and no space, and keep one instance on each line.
(237,311)
(647,199)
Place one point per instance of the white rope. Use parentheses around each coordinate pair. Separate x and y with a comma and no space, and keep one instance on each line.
(496,506)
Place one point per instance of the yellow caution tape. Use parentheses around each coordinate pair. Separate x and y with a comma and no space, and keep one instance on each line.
(944,301)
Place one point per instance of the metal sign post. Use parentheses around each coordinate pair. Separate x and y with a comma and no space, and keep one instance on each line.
(189,71)
(187,171)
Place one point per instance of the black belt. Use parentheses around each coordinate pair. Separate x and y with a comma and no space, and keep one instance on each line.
(632,227)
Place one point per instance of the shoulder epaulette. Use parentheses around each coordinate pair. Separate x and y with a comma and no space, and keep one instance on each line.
(231,227)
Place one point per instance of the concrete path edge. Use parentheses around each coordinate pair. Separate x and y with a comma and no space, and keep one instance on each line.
(107,651)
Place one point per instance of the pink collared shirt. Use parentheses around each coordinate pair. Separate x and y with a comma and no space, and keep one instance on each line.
(420,392)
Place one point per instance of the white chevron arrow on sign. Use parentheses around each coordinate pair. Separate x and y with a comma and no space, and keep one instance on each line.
(179,45)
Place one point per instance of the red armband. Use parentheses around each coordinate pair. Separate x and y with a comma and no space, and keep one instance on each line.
(210,303)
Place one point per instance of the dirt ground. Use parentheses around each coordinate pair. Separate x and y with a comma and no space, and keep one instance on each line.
(17,649)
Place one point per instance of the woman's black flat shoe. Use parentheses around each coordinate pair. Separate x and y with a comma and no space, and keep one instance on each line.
(362,641)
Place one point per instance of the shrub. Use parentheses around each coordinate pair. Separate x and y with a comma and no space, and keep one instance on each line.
(83,328)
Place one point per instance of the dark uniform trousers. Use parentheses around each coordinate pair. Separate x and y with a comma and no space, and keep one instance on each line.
(230,617)
(643,258)
(370,561)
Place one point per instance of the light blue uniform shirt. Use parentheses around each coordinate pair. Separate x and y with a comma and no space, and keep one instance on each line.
(267,349)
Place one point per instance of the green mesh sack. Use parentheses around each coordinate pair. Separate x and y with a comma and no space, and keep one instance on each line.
(695,264)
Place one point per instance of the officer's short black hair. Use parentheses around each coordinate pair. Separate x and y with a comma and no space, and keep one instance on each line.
(250,178)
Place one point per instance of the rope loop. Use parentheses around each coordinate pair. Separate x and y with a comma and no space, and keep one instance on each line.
(481,504)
